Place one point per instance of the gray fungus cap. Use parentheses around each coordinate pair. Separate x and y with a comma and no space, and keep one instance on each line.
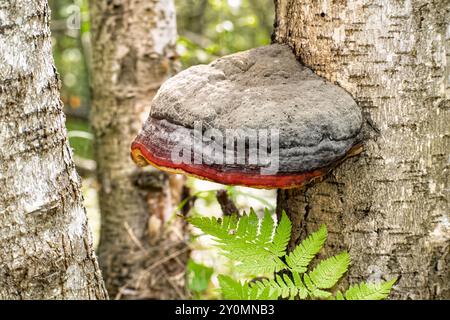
(318,122)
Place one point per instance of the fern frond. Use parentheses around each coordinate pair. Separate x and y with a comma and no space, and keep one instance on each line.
(267,284)
(285,290)
(266,228)
(299,259)
(264,264)
(313,290)
(302,291)
(320,294)
(257,245)
(252,225)
(328,272)
(339,296)
(266,294)
(221,229)
(230,289)
(282,236)
(235,290)
(370,291)
(283,286)
(242,228)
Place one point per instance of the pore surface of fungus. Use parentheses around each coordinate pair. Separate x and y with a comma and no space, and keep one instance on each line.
(310,124)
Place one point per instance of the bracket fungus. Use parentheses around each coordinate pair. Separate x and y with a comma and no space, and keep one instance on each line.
(257,118)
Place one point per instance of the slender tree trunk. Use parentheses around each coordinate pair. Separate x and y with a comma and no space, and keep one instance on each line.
(142,250)
(390,206)
(46,249)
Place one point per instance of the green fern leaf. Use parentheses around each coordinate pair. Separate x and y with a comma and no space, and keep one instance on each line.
(262,284)
(328,272)
(253,225)
(282,286)
(248,240)
(258,247)
(267,288)
(235,290)
(282,236)
(218,228)
(266,229)
(285,290)
(309,284)
(262,265)
(266,294)
(230,223)
(339,296)
(289,283)
(243,227)
(299,259)
(320,294)
(231,290)
(266,284)
(302,291)
(370,291)
(313,290)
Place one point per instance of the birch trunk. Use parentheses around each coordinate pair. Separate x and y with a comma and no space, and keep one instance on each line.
(46,250)
(390,206)
(133,53)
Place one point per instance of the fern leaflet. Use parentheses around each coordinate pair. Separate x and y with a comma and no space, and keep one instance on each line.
(256,244)
(299,259)
(235,290)
(370,291)
(328,272)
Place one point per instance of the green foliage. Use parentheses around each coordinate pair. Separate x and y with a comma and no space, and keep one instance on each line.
(368,291)
(235,290)
(329,271)
(299,259)
(258,246)
(213,28)
(70,51)
(80,138)
(198,277)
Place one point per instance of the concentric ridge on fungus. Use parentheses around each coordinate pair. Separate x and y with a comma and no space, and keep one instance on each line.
(266,88)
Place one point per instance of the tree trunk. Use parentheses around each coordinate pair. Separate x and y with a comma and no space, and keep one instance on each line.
(46,250)
(141,253)
(390,206)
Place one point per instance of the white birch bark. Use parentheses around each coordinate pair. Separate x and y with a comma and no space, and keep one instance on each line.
(390,206)
(45,247)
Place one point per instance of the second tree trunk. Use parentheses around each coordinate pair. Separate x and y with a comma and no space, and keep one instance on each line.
(133,53)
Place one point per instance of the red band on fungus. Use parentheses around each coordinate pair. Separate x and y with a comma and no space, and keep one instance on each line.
(140,153)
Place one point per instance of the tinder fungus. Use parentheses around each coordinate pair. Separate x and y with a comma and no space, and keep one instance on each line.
(257,118)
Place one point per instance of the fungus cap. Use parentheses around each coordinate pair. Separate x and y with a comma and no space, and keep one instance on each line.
(259,108)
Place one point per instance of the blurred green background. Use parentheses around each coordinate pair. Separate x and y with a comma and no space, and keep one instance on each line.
(207,29)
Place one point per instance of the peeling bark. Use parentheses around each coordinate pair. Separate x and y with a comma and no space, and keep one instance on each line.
(141,255)
(46,249)
(390,206)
